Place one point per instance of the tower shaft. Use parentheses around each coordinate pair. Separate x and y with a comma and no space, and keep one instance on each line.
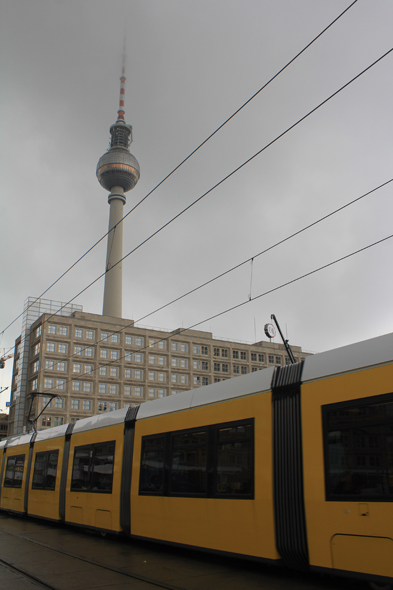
(113,288)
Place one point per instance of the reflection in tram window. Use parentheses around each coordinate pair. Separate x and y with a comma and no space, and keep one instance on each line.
(359,449)
(14,471)
(45,469)
(92,469)
(213,461)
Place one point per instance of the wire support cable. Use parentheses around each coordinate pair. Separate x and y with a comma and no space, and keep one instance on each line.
(187,158)
(208,282)
(249,300)
(277,138)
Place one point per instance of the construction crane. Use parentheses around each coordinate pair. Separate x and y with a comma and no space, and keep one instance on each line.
(3,359)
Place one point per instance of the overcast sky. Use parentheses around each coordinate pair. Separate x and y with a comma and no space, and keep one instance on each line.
(190,65)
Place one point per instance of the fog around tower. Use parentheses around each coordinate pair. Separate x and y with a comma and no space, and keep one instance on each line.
(190,65)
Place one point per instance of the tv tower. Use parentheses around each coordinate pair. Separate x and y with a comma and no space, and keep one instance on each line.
(118,172)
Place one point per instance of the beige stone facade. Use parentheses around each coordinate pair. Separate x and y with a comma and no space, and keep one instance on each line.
(95,364)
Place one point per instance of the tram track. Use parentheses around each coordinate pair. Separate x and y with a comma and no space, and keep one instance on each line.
(152,582)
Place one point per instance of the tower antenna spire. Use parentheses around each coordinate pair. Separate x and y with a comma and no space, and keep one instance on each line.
(120,112)
(118,172)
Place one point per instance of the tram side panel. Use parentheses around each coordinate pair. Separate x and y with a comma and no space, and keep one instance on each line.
(94,478)
(202,477)
(45,477)
(348,472)
(13,483)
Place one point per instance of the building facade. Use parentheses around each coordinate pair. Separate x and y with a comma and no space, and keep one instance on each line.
(95,364)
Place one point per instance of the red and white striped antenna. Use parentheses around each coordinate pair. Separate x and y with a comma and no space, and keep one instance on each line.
(120,112)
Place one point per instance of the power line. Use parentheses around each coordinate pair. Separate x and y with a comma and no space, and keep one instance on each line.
(187,158)
(249,300)
(229,175)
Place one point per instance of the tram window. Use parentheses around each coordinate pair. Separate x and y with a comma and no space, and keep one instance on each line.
(358,444)
(188,463)
(212,461)
(92,470)
(152,465)
(234,472)
(45,469)
(14,471)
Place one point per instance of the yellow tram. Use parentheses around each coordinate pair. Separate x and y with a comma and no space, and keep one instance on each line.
(290,465)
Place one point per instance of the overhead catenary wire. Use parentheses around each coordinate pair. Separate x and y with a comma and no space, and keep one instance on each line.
(269,248)
(277,138)
(249,300)
(187,158)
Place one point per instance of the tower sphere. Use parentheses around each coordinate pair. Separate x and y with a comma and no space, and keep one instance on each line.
(118,167)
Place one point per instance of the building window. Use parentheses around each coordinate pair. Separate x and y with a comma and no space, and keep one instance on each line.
(139,340)
(205,380)
(138,391)
(128,357)
(92,469)
(102,388)
(162,344)
(205,350)
(36,366)
(52,329)
(161,392)
(236,369)
(76,386)
(61,366)
(48,383)
(89,351)
(152,359)
(152,376)
(225,368)
(46,420)
(235,354)
(129,340)
(196,349)
(37,348)
(113,388)
(197,380)
(104,353)
(261,358)
(88,369)
(112,406)
(34,385)
(63,330)
(102,406)
(254,369)
(162,361)
(254,357)
(216,352)
(278,360)
(104,371)
(243,355)
(78,333)
(60,384)
(128,390)
(78,350)
(88,386)
(47,400)
(90,334)
(114,371)
(244,370)
(58,420)
(75,403)
(51,346)
(128,373)
(139,357)
(115,354)
(138,374)
(116,338)
(216,366)
(162,377)
(205,366)
(152,392)
(59,402)
(271,358)
(104,336)
(38,331)
(77,368)
(224,352)
(63,348)
(196,364)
